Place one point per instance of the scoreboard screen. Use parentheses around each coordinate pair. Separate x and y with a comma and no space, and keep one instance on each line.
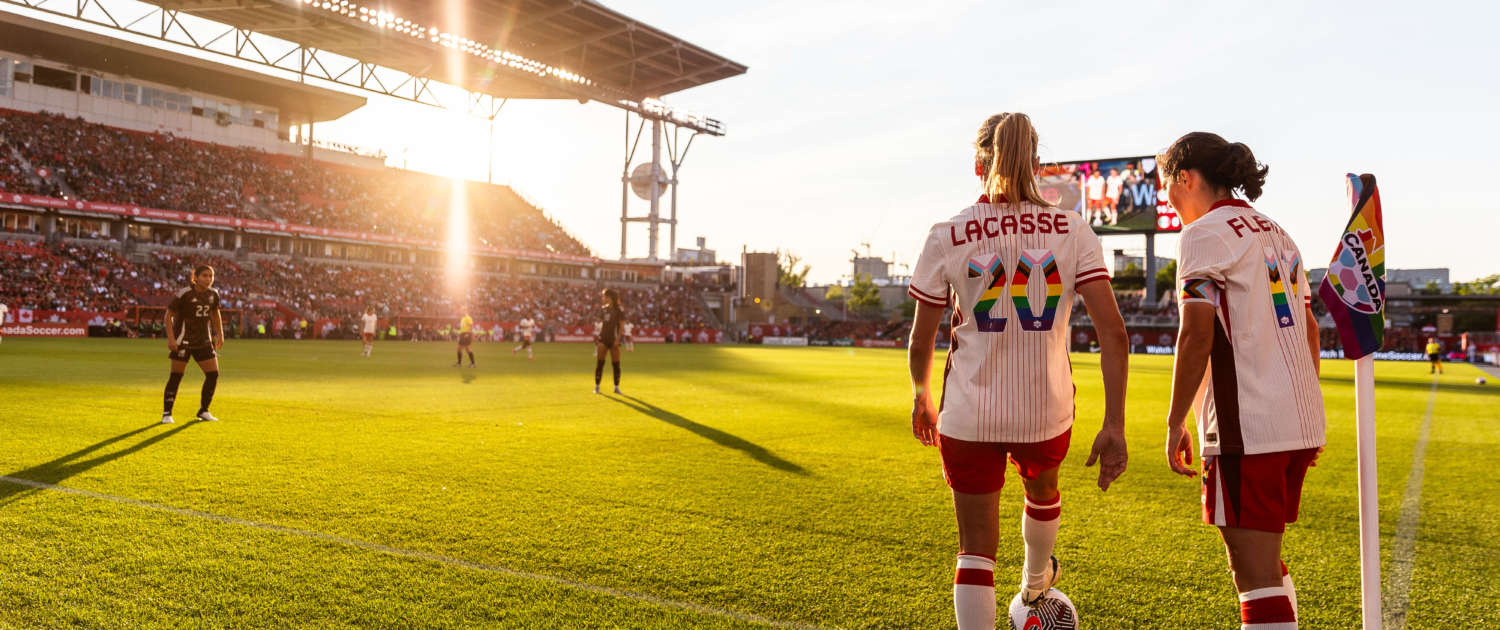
(1115,196)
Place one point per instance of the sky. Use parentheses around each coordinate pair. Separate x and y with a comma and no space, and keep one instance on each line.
(856,119)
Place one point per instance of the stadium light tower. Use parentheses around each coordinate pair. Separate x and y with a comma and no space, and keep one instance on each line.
(648,179)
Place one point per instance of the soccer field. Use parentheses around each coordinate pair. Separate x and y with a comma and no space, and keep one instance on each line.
(731,487)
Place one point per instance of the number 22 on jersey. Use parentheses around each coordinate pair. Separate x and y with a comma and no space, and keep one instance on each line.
(991,267)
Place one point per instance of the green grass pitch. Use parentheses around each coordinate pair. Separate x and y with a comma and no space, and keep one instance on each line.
(397,492)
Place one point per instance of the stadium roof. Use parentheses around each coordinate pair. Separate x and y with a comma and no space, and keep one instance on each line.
(294,101)
(505,48)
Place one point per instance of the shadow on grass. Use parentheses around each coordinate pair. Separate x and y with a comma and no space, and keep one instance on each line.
(469,377)
(755,451)
(60,469)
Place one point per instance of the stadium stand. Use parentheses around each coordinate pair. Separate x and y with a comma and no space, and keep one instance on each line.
(105,164)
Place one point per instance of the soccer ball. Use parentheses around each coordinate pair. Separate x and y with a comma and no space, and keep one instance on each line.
(1054,612)
(1480,380)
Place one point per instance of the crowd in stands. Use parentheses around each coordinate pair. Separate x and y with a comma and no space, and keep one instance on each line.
(39,277)
(855,329)
(162,171)
(76,276)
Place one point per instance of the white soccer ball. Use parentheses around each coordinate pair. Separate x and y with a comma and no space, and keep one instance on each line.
(1054,612)
(1480,380)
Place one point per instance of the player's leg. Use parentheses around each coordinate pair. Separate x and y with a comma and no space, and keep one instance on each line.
(976,472)
(614,354)
(1039,522)
(469,350)
(974,578)
(459,362)
(528,351)
(600,351)
(169,398)
(1251,498)
(210,368)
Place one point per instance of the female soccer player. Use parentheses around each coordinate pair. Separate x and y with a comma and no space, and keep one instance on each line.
(610,333)
(465,339)
(367,332)
(196,332)
(1247,366)
(1008,386)
(527,328)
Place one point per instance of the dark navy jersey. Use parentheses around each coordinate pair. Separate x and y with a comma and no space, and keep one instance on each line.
(611,316)
(194,311)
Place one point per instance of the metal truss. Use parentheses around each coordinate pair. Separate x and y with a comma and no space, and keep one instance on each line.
(290,60)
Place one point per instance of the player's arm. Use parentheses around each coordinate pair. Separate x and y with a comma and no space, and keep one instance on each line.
(1195,342)
(924,413)
(1315,342)
(1114,361)
(171,340)
(217,332)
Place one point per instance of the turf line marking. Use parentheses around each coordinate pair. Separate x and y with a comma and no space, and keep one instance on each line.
(1403,556)
(428,556)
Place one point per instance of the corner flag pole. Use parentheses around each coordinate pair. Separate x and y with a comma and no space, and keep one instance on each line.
(1353,290)
(1369,498)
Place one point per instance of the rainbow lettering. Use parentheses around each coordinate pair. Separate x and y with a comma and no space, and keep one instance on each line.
(1032,259)
(978,268)
(1278,291)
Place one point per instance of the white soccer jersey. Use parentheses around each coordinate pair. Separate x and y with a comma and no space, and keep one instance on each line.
(1013,270)
(3,311)
(527,326)
(1261,393)
(370,321)
(628,328)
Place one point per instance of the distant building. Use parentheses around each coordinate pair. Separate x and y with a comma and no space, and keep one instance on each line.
(702,255)
(877,268)
(1122,261)
(1415,279)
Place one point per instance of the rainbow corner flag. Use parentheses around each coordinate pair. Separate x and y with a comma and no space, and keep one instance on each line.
(1354,288)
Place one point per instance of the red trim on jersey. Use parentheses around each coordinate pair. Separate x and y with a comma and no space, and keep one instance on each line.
(1091,275)
(922,296)
(1229,202)
(986,199)
(1093,279)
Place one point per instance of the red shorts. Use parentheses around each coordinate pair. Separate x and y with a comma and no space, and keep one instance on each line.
(979,467)
(1260,492)
(368,336)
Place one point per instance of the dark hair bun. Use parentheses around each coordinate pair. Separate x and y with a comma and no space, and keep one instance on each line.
(1225,165)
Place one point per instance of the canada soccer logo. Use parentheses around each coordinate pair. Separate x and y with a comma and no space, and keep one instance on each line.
(1352,278)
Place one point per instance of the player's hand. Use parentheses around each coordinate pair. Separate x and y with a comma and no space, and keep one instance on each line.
(218,342)
(1315,456)
(1109,450)
(924,416)
(1180,450)
(171,344)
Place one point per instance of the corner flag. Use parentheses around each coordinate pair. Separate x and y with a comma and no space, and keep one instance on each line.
(1354,293)
(1354,288)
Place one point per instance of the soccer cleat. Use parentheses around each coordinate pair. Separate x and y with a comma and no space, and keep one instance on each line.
(206,416)
(596,389)
(1030,596)
(166,418)
(530,358)
(471,365)
(617,390)
(458,365)
(512,352)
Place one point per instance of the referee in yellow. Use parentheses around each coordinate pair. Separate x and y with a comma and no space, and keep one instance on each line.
(1435,355)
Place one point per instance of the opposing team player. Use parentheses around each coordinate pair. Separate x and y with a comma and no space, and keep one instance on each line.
(610,329)
(367,333)
(1247,366)
(465,339)
(629,338)
(1009,266)
(194,332)
(527,328)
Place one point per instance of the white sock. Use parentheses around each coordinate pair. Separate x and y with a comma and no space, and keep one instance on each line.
(1291,591)
(1039,530)
(1267,609)
(974,592)
(528,353)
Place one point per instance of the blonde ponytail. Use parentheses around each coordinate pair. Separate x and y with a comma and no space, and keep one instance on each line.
(1007,148)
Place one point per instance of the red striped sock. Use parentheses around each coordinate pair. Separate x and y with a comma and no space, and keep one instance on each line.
(974,592)
(1267,609)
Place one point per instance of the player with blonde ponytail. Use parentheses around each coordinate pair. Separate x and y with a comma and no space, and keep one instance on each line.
(1009,266)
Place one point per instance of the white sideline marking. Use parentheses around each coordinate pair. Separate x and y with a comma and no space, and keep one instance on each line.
(1403,556)
(430,557)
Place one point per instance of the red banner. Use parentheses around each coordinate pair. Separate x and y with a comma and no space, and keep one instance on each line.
(92,318)
(44,330)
